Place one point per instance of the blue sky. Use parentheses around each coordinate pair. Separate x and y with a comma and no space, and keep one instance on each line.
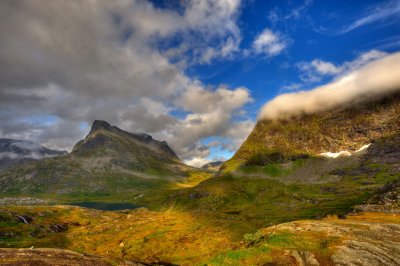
(315,33)
(194,73)
(320,30)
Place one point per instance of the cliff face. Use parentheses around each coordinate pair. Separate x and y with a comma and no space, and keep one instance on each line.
(348,129)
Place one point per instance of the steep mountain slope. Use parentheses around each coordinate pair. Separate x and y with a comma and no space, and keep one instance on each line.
(348,129)
(15,152)
(108,160)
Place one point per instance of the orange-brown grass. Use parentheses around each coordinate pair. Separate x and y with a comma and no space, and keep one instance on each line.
(137,235)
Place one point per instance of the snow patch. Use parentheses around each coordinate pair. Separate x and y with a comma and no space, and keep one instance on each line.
(335,154)
(363,148)
(343,153)
(138,196)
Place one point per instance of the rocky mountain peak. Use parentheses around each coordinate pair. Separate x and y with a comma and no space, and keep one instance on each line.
(100,124)
(104,135)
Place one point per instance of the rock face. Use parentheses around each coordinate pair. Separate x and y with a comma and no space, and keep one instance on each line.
(348,129)
(103,135)
(107,160)
(15,152)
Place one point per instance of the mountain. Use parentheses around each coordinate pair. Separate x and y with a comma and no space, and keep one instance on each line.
(14,152)
(346,130)
(212,166)
(304,168)
(108,160)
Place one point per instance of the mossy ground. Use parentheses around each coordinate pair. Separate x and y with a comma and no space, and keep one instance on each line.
(181,237)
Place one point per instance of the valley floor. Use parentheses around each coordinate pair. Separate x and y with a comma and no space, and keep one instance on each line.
(172,237)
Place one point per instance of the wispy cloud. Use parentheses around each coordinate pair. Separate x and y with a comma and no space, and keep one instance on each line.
(299,11)
(389,10)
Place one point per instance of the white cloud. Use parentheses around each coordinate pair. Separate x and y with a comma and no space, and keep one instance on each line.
(316,69)
(325,68)
(197,162)
(269,43)
(103,60)
(376,79)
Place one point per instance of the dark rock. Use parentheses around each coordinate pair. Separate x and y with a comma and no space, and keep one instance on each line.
(198,194)
(7,234)
(329,189)
(75,224)
(100,124)
(58,228)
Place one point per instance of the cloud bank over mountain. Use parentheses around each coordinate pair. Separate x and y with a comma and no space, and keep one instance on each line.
(375,79)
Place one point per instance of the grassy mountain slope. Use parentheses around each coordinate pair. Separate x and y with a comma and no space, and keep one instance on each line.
(346,129)
(108,161)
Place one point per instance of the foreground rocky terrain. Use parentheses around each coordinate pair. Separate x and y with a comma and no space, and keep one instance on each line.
(142,237)
(56,257)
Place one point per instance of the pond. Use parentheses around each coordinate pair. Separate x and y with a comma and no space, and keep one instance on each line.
(105,206)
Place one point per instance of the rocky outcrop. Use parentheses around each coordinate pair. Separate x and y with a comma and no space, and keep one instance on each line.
(54,257)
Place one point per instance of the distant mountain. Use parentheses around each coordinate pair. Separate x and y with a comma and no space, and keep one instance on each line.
(14,152)
(108,160)
(212,166)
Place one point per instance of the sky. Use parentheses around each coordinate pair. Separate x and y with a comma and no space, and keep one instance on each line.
(192,72)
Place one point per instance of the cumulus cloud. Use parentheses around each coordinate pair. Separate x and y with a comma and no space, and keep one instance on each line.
(375,79)
(197,162)
(120,61)
(269,43)
(315,70)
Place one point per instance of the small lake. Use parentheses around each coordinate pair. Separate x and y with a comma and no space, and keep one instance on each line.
(105,206)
